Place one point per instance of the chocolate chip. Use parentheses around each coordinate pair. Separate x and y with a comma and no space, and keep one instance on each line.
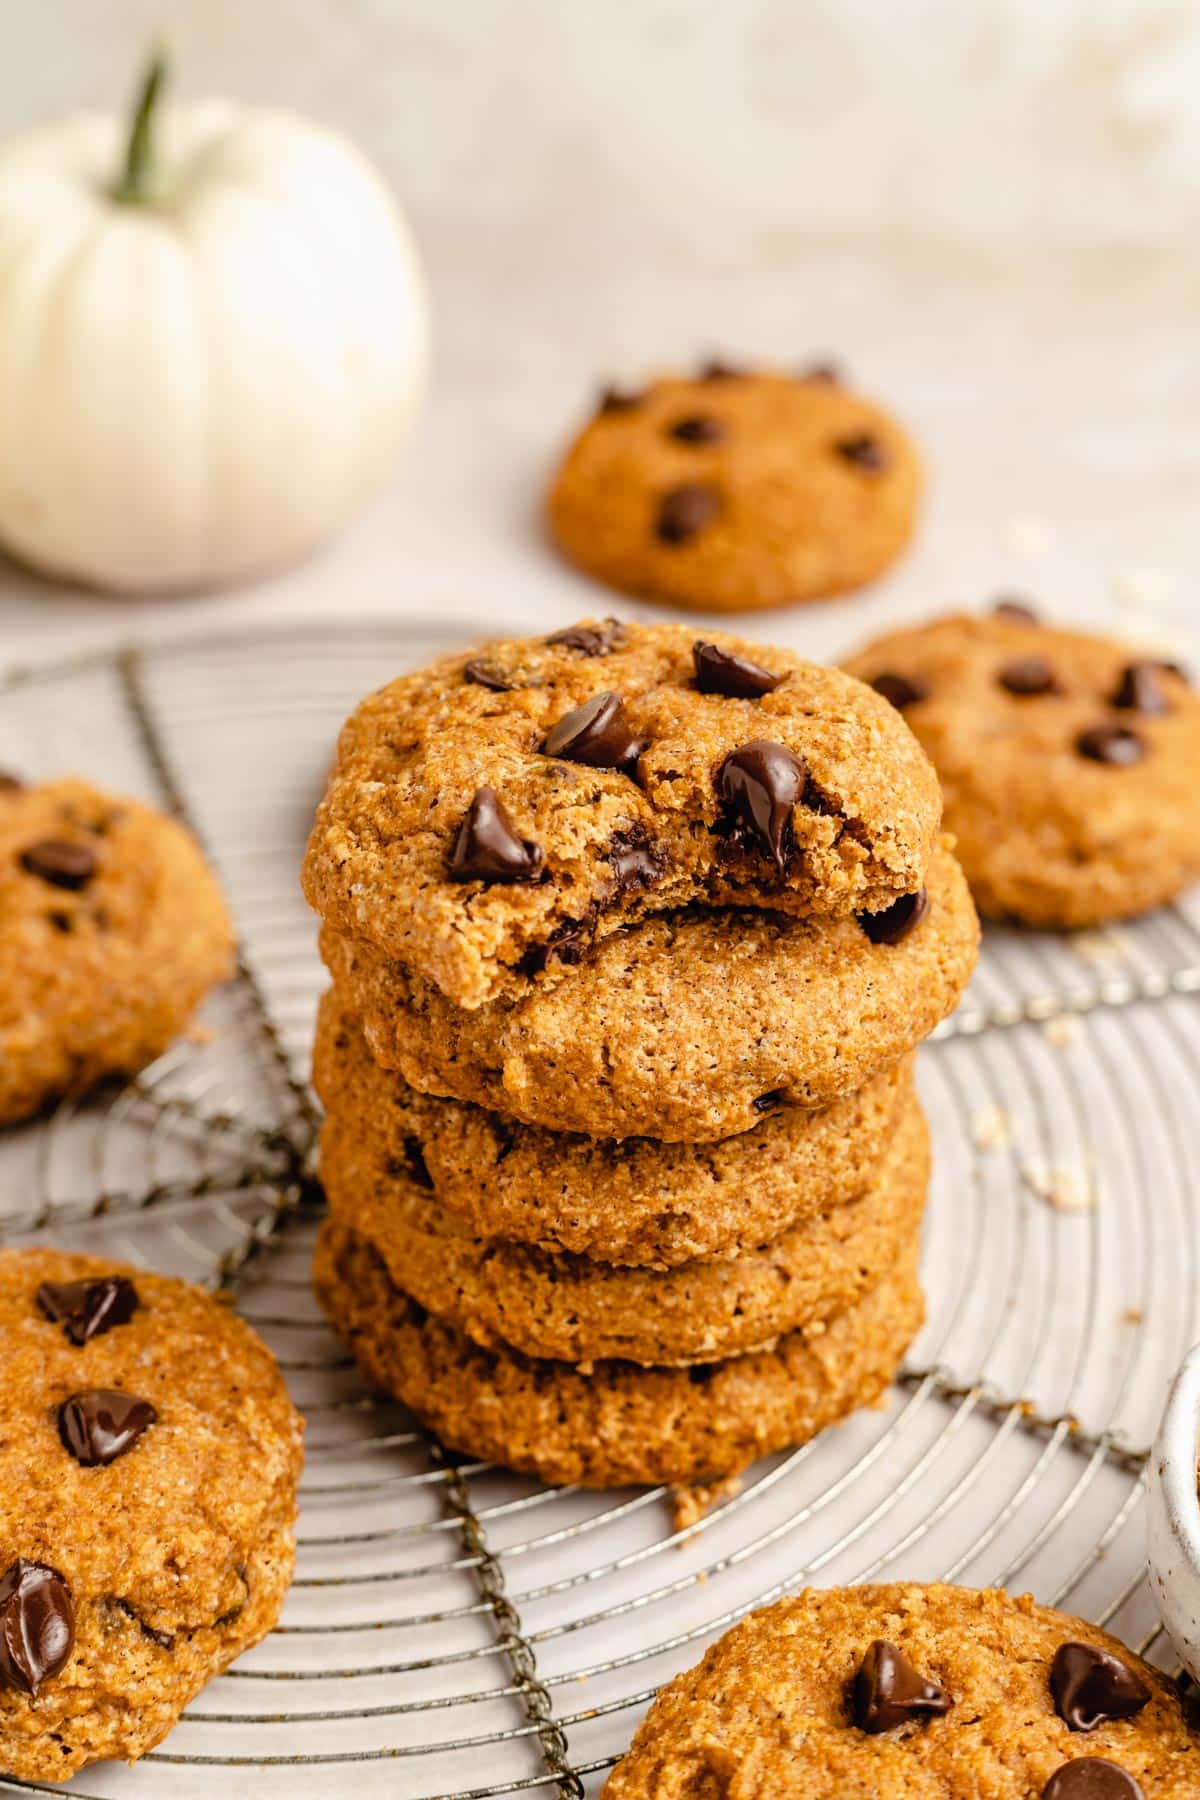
(87,1309)
(596,734)
(617,400)
(863,450)
(9,783)
(893,924)
(487,848)
(37,1625)
(1014,611)
(1113,744)
(888,1691)
(569,944)
(827,372)
(1140,689)
(1028,675)
(635,863)
(900,690)
(592,640)
(101,1424)
(485,674)
(683,511)
(1091,1686)
(716,369)
(60,862)
(735,677)
(769,1103)
(1092,1778)
(759,785)
(700,428)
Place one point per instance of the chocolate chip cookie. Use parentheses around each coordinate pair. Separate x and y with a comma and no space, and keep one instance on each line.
(687,1027)
(492,817)
(572,1309)
(638,1202)
(149,1456)
(611,1423)
(734,489)
(1070,767)
(112,930)
(914,1691)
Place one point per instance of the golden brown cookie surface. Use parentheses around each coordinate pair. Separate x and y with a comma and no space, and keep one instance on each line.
(638,1202)
(966,1692)
(491,817)
(112,930)
(149,1456)
(617,1423)
(685,1027)
(574,1310)
(1070,766)
(736,491)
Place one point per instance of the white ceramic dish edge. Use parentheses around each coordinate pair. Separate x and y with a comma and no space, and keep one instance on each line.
(1173,1514)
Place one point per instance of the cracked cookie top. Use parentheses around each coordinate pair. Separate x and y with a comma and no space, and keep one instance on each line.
(491,817)
(149,1455)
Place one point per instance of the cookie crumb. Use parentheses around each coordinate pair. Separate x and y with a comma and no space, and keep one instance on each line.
(1063,1186)
(991,1128)
(689,1504)
(1133,1315)
(1104,949)
(1063,1030)
(1026,535)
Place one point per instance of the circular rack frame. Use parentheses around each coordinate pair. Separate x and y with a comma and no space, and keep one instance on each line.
(455,1631)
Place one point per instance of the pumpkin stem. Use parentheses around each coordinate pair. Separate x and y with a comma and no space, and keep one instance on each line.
(137,184)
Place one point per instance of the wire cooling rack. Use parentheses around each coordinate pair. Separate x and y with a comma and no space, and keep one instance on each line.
(455,1631)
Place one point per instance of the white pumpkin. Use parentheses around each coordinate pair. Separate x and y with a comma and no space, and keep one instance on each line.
(206,362)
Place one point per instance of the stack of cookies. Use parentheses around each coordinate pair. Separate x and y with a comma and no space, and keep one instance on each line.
(632,941)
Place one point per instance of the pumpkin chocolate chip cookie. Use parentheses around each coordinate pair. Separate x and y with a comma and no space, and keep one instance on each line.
(612,1422)
(688,1026)
(491,817)
(149,1456)
(638,1202)
(112,930)
(573,1309)
(908,1691)
(734,489)
(1070,767)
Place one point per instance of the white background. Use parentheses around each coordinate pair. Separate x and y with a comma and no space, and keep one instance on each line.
(987,212)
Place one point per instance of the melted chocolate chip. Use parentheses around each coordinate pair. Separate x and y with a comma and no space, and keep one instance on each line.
(60,862)
(415,1164)
(759,786)
(863,450)
(1014,611)
(700,428)
(888,1691)
(101,1424)
(87,1309)
(569,944)
(596,734)
(1026,676)
(37,1625)
(683,511)
(827,372)
(635,863)
(1092,1778)
(734,677)
(1140,689)
(1091,1686)
(716,369)
(617,400)
(592,640)
(900,690)
(769,1103)
(1116,745)
(485,674)
(9,783)
(487,848)
(893,924)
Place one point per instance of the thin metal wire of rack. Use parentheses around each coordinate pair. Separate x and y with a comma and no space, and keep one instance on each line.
(455,1631)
